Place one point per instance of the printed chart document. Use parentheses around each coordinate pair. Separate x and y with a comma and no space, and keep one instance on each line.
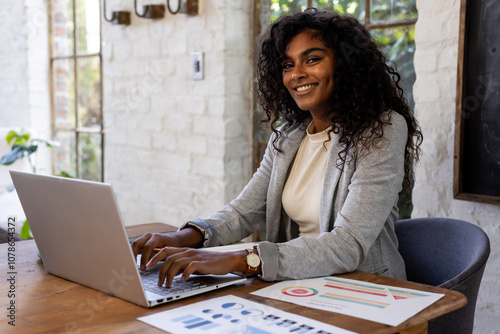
(380,303)
(231,315)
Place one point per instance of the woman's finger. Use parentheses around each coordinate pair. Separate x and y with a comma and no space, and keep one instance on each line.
(148,247)
(175,263)
(162,254)
(138,243)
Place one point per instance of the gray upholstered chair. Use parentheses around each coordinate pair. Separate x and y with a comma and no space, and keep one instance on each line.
(448,253)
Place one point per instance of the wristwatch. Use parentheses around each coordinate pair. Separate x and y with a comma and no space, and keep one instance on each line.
(253,261)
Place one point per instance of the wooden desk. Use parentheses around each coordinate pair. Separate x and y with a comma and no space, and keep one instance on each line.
(48,304)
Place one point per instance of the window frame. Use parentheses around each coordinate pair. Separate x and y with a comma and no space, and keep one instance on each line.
(463,112)
(77,131)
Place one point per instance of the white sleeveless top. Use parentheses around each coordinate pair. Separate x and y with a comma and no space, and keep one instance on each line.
(302,192)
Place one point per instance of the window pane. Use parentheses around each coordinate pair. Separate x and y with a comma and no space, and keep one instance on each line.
(62,28)
(89,92)
(399,46)
(354,8)
(65,156)
(89,147)
(87,20)
(64,93)
(282,7)
(384,10)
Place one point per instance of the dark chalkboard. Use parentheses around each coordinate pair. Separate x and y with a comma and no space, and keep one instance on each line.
(477,139)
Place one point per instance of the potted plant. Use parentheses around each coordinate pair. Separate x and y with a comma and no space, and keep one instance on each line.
(22,146)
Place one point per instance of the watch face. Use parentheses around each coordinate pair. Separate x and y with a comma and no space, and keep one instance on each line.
(253,260)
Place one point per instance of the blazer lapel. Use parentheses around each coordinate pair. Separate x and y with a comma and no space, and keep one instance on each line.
(332,176)
(289,144)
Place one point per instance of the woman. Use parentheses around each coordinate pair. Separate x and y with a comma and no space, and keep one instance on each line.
(327,187)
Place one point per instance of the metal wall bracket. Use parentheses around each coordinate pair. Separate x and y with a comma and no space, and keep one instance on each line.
(151,11)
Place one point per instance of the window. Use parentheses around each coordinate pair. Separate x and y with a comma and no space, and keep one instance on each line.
(392,24)
(76,89)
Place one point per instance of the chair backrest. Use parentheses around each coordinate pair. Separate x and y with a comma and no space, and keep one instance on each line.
(448,253)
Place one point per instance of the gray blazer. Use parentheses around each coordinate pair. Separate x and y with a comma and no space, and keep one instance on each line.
(357,211)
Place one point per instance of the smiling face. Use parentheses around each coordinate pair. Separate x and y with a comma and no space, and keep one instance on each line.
(308,73)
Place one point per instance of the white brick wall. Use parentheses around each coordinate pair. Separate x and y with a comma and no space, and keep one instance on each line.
(38,78)
(24,88)
(169,143)
(436,36)
(13,56)
(24,64)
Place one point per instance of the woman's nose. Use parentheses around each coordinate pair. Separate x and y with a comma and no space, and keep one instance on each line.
(298,72)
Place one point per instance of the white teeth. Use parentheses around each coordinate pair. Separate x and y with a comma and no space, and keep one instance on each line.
(303,88)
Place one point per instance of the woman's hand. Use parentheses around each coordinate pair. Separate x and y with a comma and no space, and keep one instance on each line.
(196,261)
(146,245)
(188,237)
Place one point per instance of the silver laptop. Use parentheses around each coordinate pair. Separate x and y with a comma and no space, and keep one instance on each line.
(79,232)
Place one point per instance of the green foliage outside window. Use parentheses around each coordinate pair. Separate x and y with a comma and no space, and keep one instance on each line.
(380,10)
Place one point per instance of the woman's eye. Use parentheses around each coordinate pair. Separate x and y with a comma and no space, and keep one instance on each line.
(313,59)
(287,66)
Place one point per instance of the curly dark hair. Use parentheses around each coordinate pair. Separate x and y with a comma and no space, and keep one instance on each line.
(366,86)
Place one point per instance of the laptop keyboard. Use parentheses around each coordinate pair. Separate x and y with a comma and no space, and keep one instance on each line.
(150,282)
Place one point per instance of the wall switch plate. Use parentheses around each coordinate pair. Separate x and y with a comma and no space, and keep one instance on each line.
(197,58)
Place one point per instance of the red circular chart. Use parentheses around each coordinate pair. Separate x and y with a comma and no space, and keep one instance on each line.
(299,291)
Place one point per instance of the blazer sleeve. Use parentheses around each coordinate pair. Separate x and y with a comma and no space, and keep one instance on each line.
(372,193)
